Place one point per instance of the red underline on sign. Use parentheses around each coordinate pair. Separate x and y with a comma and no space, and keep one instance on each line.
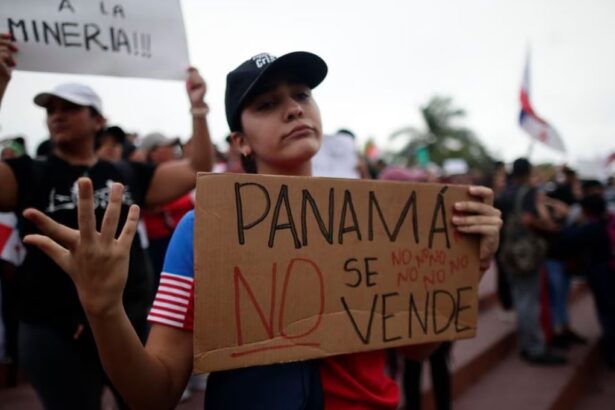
(263,349)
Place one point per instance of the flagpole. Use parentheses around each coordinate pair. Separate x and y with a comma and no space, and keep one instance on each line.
(530,148)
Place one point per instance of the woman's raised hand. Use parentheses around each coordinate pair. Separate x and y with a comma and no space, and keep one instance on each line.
(7,59)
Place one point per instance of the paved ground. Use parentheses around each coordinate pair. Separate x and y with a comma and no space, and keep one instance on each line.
(24,398)
(600,394)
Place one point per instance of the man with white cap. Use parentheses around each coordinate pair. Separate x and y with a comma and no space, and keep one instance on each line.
(57,350)
(76,93)
(160,222)
(159,148)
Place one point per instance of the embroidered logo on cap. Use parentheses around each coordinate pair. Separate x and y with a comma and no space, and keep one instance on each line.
(263,59)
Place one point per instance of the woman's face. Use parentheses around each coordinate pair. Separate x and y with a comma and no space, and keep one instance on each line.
(281,127)
(71,124)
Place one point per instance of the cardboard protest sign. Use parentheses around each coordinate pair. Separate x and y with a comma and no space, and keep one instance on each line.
(129,38)
(291,268)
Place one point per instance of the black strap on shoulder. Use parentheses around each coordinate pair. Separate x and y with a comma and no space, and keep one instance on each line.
(514,219)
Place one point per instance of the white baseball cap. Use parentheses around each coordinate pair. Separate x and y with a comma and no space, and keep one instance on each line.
(72,92)
(156,139)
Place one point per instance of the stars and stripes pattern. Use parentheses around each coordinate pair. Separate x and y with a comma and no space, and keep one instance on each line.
(174,302)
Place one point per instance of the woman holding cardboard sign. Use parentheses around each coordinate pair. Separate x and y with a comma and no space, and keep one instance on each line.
(276,125)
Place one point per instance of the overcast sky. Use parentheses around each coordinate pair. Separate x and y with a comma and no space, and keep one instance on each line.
(386,59)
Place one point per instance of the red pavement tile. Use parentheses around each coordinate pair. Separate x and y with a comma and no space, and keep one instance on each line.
(24,398)
(600,392)
(513,384)
(21,397)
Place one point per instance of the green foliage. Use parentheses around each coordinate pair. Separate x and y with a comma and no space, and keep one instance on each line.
(443,137)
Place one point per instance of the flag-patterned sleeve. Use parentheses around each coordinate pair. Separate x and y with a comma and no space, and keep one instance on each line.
(174,302)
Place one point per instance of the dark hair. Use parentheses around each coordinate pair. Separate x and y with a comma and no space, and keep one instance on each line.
(569,172)
(127,149)
(594,205)
(521,168)
(44,148)
(94,112)
(591,184)
(248,163)
(114,132)
(347,132)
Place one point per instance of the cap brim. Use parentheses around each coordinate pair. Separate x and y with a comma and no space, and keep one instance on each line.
(302,66)
(147,145)
(43,99)
(173,141)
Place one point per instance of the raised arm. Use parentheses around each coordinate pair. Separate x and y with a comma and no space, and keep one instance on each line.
(174,179)
(7,61)
(202,149)
(8,192)
(148,378)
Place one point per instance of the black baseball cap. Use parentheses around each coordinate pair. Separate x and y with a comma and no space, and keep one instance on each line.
(243,82)
(118,134)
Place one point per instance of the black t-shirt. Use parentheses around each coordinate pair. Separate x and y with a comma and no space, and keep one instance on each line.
(590,242)
(506,201)
(564,193)
(46,293)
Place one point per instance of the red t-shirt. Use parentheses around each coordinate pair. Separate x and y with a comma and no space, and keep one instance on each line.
(162,223)
(358,381)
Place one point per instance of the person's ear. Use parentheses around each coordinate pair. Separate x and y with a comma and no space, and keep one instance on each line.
(239,141)
(101,123)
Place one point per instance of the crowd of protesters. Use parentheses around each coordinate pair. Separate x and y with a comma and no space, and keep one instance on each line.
(57,330)
(567,227)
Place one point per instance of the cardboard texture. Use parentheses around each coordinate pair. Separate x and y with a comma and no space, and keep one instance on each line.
(291,268)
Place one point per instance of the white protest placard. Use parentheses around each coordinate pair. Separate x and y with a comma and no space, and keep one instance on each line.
(127,38)
(337,157)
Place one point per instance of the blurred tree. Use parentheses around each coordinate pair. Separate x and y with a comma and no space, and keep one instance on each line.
(442,138)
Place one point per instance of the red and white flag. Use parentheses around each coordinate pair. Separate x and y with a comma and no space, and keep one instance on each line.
(11,248)
(535,126)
